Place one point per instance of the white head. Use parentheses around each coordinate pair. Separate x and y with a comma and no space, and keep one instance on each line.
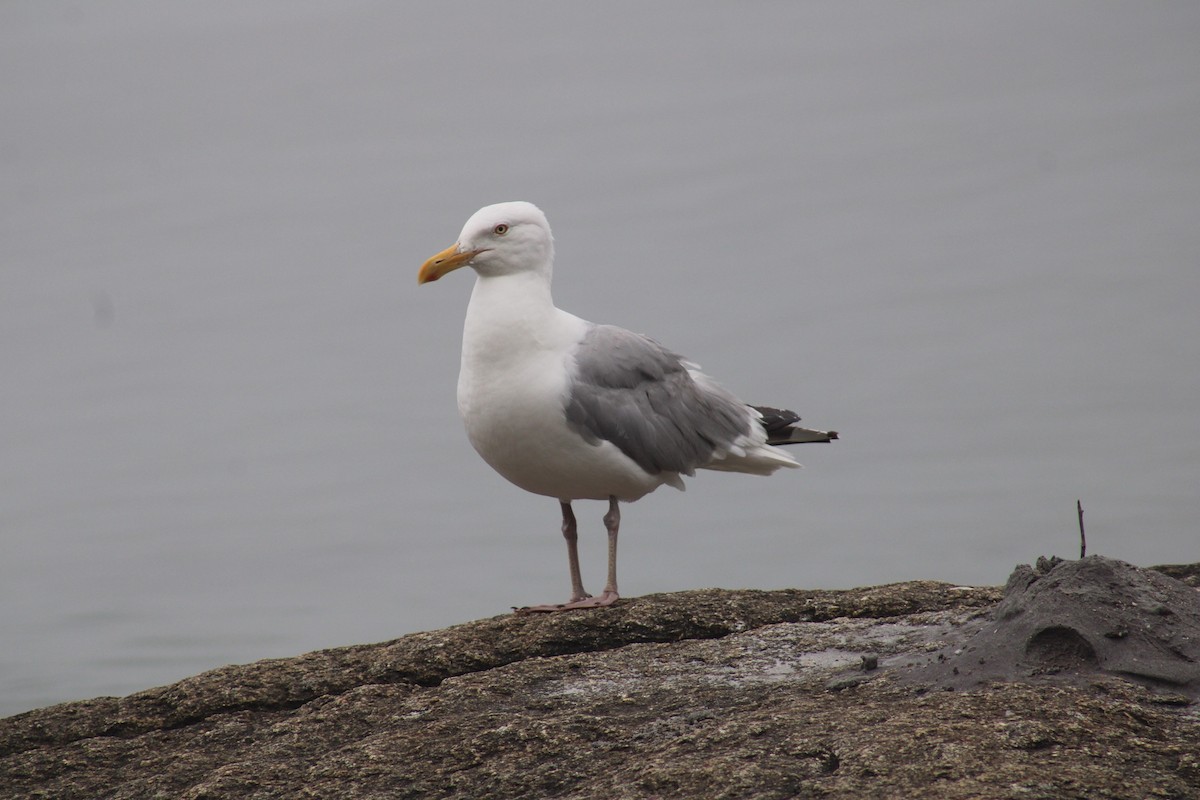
(500,239)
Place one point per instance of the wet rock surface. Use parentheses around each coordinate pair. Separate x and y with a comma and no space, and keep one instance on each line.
(696,694)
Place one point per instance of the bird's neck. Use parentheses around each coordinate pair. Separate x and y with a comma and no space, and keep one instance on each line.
(508,310)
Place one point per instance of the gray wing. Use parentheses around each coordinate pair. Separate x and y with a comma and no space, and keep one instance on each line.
(629,390)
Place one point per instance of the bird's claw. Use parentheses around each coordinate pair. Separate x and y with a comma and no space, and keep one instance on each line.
(602,601)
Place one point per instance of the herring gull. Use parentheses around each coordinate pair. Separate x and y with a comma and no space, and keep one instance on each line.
(573,410)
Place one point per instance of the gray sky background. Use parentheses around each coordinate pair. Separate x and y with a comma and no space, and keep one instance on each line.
(964,235)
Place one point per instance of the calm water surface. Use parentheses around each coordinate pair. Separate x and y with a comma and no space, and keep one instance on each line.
(964,235)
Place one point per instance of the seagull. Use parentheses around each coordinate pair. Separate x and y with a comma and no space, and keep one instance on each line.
(569,409)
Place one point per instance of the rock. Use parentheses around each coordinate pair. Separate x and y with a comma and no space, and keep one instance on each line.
(695,694)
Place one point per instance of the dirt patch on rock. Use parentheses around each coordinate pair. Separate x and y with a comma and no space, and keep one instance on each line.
(1073,621)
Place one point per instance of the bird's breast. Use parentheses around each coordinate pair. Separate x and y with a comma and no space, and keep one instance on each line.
(517,363)
(508,399)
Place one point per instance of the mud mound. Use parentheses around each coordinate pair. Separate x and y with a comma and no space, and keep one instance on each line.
(1073,621)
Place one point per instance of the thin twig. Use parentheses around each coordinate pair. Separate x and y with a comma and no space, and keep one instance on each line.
(1082,537)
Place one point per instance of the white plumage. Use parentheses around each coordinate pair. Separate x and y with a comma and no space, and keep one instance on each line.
(572,410)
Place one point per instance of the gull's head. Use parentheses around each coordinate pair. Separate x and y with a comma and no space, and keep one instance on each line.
(501,239)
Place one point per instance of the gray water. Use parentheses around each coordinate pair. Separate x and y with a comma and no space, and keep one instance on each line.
(965,235)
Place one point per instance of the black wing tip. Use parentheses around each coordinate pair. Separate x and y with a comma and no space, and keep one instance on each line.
(776,420)
(800,436)
(780,424)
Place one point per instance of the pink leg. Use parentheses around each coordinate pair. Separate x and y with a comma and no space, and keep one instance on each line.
(580,598)
(612,523)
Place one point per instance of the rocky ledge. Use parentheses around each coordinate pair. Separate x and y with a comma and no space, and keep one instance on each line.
(1079,679)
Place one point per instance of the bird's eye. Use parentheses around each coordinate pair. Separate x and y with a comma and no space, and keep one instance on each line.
(500,229)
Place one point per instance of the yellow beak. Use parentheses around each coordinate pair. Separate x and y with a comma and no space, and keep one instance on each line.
(446,261)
